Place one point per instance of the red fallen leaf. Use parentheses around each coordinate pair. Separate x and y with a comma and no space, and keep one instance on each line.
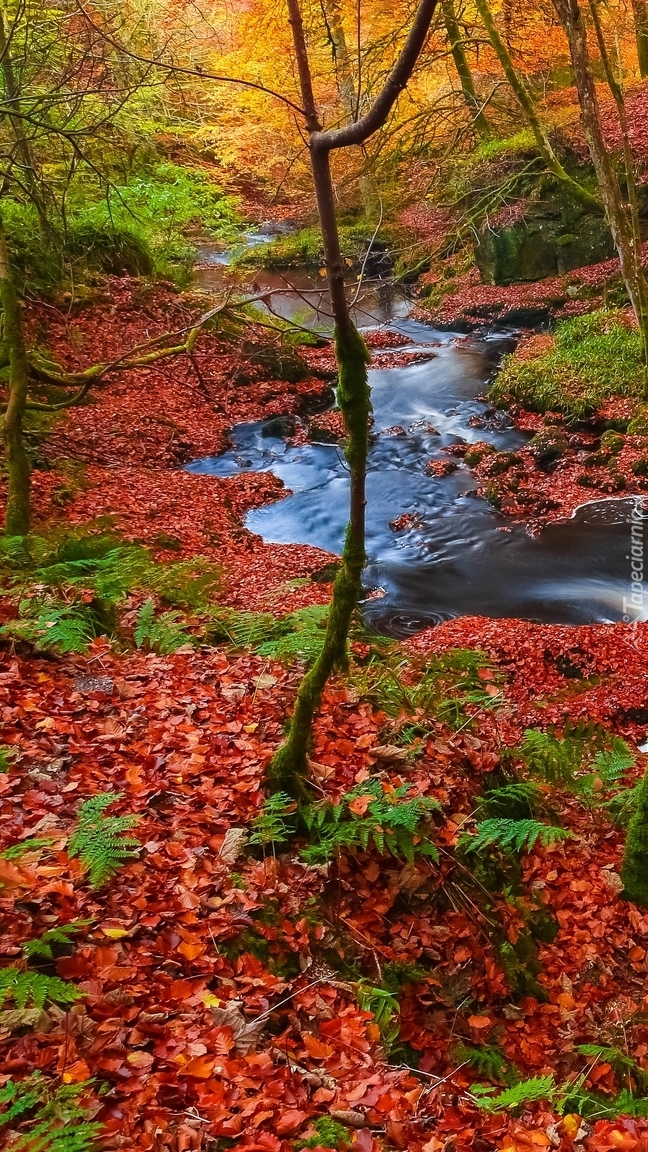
(479,1022)
(290,1121)
(316,1048)
(192,951)
(201,1067)
(485,674)
(361,803)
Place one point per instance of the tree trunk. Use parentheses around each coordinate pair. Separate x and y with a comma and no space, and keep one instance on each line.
(464,73)
(288,767)
(640,13)
(619,215)
(525,99)
(18,514)
(350,100)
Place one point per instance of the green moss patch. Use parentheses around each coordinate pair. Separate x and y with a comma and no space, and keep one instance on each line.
(592,358)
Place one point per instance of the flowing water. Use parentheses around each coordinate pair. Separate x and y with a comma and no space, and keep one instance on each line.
(456,555)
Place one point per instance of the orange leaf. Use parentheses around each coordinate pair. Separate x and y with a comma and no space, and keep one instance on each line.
(479,1021)
(191,951)
(290,1121)
(361,803)
(201,1067)
(76,1073)
(316,1048)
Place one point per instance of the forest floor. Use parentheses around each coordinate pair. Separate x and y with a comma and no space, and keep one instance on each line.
(220,981)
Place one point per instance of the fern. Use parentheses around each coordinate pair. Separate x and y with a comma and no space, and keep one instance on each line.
(487,1061)
(162,633)
(101,842)
(554,761)
(113,570)
(48,624)
(32,989)
(385,1010)
(41,946)
(512,835)
(303,637)
(610,765)
(274,824)
(382,816)
(624,804)
(60,1122)
(510,798)
(32,844)
(7,757)
(242,629)
(538,1088)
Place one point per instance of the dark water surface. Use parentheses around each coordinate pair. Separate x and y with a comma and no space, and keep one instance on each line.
(458,556)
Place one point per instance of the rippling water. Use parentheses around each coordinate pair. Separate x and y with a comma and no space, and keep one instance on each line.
(457,555)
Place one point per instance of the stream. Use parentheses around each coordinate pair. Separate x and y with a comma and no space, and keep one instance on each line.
(456,555)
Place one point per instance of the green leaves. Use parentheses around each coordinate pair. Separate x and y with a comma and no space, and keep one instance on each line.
(163,633)
(60,1121)
(41,946)
(274,824)
(385,1009)
(101,842)
(512,835)
(537,1088)
(372,814)
(32,989)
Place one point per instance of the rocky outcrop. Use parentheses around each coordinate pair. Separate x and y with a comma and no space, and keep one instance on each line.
(549,237)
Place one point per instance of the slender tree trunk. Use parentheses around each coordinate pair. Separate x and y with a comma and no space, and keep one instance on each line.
(18,513)
(640,14)
(350,99)
(619,214)
(14,116)
(288,767)
(527,103)
(464,72)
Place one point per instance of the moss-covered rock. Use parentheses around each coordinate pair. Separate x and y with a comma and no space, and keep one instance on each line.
(612,442)
(548,445)
(640,466)
(476,453)
(634,870)
(553,237)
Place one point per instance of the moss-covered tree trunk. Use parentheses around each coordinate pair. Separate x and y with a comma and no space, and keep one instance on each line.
(634,870)
(622,217)
(458,53)
(288,767)
(18,511)
(640,14)
(526,101)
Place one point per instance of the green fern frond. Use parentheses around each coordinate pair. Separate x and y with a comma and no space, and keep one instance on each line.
(391,822)
(487,1061)
(275,823)
(554,760)
(101,842)
(7,757)
(612,764)
(512,835)
(32,844)
(60,1123)
(32,989)
(163,633)
(523,794)
(49,624)
(41,946)
(303,636)
(538,1088)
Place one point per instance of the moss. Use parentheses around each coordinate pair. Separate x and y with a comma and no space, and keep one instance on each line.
(640,466)
(638,426)
(289,765)
(593,358)
(476,453)
(547,445)
(521,965)
(502,462)
(612,441)
(634,870)
(493,495)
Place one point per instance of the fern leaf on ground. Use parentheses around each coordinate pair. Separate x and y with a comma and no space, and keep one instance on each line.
(537,1088)
(102,842)
(512,835)
(32,989)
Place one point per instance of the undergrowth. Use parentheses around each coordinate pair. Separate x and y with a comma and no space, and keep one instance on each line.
(593,357)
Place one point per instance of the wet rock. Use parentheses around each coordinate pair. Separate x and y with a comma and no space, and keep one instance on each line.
(548,445)
(86,684)
(282,426)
